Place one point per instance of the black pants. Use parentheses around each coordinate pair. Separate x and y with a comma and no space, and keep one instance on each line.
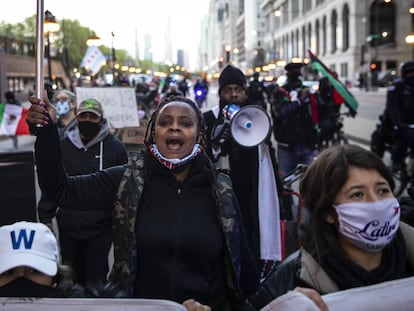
(88,257)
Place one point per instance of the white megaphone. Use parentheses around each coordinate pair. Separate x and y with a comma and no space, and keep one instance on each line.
(249,125)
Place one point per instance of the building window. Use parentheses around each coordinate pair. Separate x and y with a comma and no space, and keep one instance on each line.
(295,9)
(344,70)
(345,28)
(334,24)
(391,65)
(307,6)
(303,40)
(297,41)
(241,7)
(309,41)
(317,37)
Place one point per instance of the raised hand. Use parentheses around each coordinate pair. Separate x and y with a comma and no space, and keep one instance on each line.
(41,112)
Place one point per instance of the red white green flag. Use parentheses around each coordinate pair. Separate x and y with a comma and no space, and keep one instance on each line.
(319,66)
(13,120)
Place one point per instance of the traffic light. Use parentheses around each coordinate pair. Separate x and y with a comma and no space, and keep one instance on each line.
(374,68)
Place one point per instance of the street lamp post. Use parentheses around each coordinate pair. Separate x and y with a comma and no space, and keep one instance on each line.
(50,25)
(227,49)
(94,41)
(410,40)
(113,59)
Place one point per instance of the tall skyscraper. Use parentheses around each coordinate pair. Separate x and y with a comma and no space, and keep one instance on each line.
(168,49)
(147,47)
(136,45)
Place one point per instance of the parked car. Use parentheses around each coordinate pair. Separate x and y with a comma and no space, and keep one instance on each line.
(314,85)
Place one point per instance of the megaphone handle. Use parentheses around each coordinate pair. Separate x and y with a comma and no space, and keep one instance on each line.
(226,124)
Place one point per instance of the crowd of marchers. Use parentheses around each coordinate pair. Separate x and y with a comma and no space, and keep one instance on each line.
(198,213)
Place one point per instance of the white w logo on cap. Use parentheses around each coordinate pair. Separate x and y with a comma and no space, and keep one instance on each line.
(22,236)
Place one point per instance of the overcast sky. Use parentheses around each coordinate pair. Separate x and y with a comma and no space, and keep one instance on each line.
(125,18)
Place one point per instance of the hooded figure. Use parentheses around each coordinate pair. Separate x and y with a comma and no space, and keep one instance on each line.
(253,170)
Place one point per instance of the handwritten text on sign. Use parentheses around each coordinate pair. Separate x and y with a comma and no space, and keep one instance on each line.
(119,103)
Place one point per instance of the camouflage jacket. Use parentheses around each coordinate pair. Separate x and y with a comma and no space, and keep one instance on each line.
(125,209)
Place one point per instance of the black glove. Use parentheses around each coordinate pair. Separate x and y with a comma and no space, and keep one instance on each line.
(220,133)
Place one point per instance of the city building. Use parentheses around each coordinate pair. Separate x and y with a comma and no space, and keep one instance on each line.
(352,37)
(18,67)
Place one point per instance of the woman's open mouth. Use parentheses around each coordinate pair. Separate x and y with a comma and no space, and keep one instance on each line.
(174,143)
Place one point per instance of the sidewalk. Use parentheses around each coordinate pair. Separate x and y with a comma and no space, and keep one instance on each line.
(25,143)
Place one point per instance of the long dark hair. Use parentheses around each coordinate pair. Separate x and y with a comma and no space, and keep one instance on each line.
(321,183)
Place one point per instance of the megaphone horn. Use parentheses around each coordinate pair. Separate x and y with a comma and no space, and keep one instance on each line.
(249,125)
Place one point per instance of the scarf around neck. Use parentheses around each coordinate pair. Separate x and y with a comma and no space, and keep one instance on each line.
(347,274)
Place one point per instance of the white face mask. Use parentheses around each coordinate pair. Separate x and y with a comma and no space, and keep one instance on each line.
(369,225)
(62,107)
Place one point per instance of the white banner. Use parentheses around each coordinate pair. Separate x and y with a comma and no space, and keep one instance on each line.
(119,103)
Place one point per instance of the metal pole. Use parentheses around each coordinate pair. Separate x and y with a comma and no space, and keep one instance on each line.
(39,49)
(49,61)
(113,59)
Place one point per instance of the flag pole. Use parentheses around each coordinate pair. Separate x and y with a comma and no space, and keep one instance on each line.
(39,49)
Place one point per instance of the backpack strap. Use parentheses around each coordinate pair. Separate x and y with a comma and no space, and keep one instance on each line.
(408,234)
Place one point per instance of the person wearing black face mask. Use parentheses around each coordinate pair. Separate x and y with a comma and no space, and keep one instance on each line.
(293,123)
(400,109)
(89,147)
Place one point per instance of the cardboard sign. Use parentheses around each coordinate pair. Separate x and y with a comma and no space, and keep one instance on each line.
(119,104)
(135,135)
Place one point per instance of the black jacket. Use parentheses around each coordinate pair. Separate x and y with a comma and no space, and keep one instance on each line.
(400,103)
(292,120)
(74,221)
(100,189)
(244,173)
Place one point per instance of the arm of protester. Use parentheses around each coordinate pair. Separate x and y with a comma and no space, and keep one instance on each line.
(284,105)
(193,305)
(97,189)
(314,296)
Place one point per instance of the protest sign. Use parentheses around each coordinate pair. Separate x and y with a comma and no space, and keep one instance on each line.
(119,104)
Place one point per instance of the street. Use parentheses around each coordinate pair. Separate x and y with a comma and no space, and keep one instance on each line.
(358,129)
(371,105)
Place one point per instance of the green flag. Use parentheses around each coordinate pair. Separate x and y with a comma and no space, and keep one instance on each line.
(317,65)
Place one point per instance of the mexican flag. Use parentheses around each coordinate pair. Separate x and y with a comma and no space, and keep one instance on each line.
(13,120)
(319,66)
